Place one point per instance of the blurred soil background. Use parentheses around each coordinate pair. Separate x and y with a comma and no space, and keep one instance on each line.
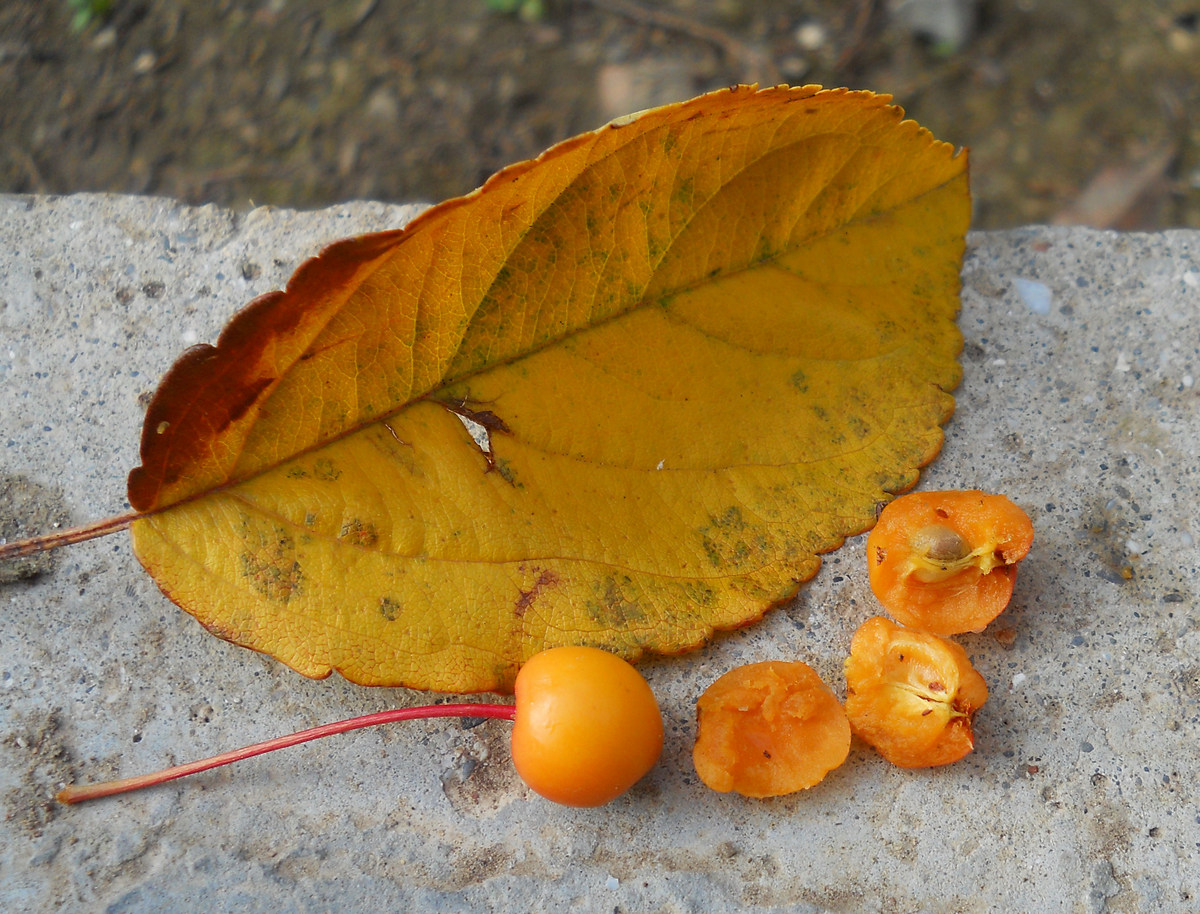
(1076,111)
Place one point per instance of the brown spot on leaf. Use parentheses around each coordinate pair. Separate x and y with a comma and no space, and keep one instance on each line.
(614,607)
(274,572)
(504,468)
(546,579)
(357,533)
(218,629)
(326,470)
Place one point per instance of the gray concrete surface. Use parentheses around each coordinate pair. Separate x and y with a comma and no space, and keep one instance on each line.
(1079,401)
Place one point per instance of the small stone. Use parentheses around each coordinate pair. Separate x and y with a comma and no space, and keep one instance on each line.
(105,39)
(811,36)
(946,23)
(145,63)
(1036,295)
(794,66)
(382,106)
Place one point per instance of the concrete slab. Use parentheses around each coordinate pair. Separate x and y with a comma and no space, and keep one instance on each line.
(1079,401)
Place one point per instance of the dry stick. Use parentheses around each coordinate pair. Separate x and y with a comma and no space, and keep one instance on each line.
(21,548)
(82,792)
(857,42)
(752,61)
(35,173)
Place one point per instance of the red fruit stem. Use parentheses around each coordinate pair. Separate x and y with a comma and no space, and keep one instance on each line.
(80,793)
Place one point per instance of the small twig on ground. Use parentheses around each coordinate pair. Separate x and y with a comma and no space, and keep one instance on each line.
(365,9)
(857,41)
(1114,192)
(30,165)
(755,65)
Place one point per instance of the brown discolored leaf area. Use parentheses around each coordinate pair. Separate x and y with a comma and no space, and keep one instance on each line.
(622,395)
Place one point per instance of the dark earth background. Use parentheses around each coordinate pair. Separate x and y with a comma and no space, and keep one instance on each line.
(1077,111)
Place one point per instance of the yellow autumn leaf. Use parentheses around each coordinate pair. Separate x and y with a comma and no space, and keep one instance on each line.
(622,395)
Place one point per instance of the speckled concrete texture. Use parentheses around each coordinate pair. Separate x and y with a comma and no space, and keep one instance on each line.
(1079,401)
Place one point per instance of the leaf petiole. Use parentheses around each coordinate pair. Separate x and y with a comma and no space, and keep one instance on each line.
(80,793)
(20,548)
